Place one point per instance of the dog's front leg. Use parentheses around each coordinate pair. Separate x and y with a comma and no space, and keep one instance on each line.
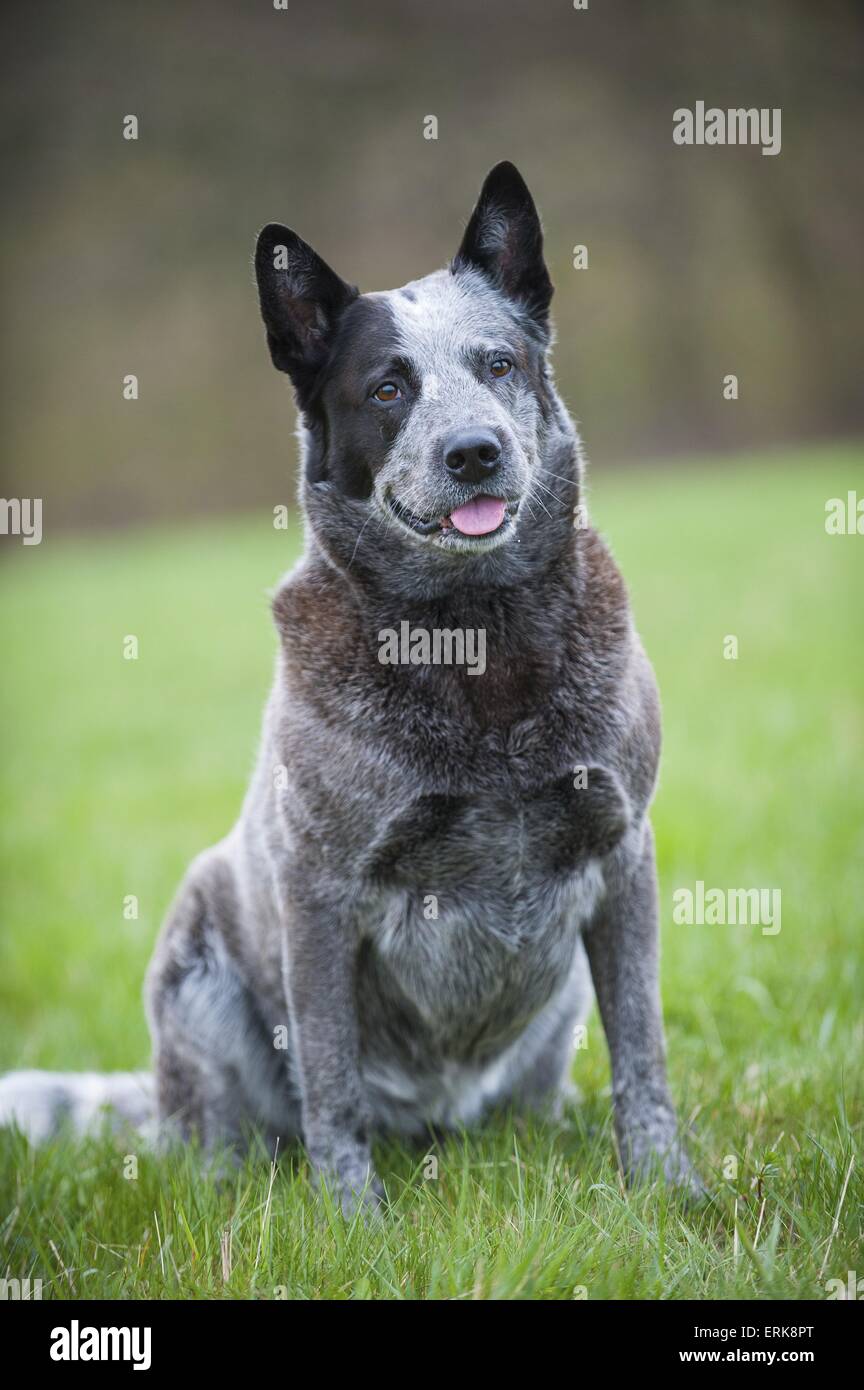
(623,950)
(320,981)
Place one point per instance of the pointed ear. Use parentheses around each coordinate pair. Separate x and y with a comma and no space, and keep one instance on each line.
(301,302)
(504,240)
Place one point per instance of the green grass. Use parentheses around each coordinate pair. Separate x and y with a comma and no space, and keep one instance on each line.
(116,772)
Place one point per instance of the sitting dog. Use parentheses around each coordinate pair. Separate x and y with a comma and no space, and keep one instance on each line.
(433,860)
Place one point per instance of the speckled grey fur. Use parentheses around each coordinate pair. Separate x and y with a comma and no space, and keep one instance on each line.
(397,933)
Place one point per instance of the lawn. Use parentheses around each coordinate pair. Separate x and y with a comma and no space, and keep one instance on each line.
(117,771)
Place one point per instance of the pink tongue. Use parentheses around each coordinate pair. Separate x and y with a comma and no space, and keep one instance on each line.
(479,516)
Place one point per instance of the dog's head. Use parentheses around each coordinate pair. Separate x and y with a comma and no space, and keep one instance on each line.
(427,410)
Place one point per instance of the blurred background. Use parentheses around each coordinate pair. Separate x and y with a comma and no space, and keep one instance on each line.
(135,256)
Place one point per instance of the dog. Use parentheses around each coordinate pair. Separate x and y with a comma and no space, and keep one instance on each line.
(433,862)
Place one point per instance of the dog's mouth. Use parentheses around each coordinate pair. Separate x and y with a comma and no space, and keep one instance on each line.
(472,525)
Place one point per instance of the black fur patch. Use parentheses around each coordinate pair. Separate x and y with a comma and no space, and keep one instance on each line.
(350,434)
(504,240)
(301,302)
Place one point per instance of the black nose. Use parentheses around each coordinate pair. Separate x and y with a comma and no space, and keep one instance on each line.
(471,455)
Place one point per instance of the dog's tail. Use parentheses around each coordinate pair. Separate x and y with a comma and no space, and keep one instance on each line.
(44,1103)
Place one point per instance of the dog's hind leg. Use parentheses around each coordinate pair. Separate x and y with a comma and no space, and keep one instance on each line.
(219,1072)
(545,1086)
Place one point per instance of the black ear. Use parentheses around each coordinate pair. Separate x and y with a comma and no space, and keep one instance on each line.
(301,301)
(504,239)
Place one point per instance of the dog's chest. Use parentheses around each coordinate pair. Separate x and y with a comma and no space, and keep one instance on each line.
(477,907)
(504,840)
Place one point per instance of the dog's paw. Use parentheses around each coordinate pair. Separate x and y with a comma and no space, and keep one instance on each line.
(369,1202)
(674,1167)
(655,1152)
(354,1190)
(607,811)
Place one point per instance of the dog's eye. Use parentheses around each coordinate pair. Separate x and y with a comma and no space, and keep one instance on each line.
(502,366)
(388,391)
